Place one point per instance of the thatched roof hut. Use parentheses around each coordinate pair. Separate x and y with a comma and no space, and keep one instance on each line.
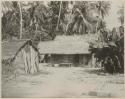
(63,47)
(66,45)
(66,49)
(22,52)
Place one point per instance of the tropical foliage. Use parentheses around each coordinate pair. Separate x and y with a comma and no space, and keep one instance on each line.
(102,8)
(35,19)
(109,50)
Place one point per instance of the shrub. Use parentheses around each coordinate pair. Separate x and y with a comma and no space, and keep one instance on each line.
(110,53)
(7,67)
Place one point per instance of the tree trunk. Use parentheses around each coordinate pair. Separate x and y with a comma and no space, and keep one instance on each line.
(59,15)
(36,31)
(70,16)
(68,23)
(87,24)
(21,25)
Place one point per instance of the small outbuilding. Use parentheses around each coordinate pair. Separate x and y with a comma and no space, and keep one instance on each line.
(20,54)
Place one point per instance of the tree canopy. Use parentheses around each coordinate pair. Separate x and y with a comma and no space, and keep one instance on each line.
(26,19)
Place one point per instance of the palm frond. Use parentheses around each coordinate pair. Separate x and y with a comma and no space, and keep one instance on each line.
(6,6)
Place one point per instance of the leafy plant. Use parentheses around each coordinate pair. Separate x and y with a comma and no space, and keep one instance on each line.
(109,52)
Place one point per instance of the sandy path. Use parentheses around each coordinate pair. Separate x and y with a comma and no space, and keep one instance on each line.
(64,82)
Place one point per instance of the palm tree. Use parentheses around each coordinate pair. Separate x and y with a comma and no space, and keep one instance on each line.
(40,18)
(6,6)
(14,7)
(9,20)
(18,7)
(103,8)
(121,15)
(69,15)
(59,11)
(21,19)
(79,22)
(59,15)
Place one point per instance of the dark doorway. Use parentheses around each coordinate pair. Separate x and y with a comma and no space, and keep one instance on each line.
(76,60)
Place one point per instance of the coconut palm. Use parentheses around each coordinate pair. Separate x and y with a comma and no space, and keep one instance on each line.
(15,8)
(103,8)
(59,15)
(79,22)
(21,19)
(69,15)
(9,20)
(121,15)
(18,7)
(59,10)
(40,17)
(6,6)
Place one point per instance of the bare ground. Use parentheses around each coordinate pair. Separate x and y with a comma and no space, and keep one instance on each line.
(65,82)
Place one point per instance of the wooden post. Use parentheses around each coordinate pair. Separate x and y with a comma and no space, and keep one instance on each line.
(93,62)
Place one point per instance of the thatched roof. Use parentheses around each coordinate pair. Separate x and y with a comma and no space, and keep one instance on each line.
(10,49)
(65,45)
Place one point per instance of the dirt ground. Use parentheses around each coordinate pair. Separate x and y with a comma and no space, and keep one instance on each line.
(65,82)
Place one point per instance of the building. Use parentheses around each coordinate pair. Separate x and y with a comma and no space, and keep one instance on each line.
(66,49)
(21,55)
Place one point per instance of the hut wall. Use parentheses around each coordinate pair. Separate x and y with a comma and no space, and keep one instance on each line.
(19,64)
(76,59)
(61,59)
(84,59)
